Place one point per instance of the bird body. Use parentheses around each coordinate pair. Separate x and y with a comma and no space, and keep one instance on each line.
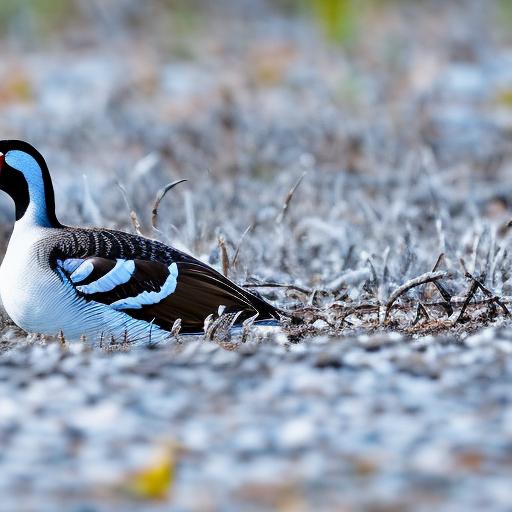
(101,283)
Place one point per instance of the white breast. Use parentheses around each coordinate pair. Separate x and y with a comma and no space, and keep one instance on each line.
(21,280)
(38,300)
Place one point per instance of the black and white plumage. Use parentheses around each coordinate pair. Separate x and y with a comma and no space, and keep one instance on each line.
(98,282)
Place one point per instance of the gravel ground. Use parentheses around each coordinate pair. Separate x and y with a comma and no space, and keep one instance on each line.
(382,422)
(364,185)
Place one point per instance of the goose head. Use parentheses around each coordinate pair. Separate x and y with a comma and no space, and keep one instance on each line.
(25,177)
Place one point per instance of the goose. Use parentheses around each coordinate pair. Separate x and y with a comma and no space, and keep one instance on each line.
(99,283)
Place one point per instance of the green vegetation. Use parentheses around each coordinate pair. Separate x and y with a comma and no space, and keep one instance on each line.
(34,15)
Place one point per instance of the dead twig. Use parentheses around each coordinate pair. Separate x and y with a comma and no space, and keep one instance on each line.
(374,281)
(488,293)
(428,277)
(442,290)
(208,321)
(246,328)
(133,216)
(306,291)
(463,265)
(421,312)
(350,277)
(62,339)
(176,328)
(237,251)
(438,262)
(288,198)
(159,196)
(447,298)
(371,308)
(467,300)
(224,258)
(220,329)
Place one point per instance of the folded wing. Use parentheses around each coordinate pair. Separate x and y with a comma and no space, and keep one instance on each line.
(159,293)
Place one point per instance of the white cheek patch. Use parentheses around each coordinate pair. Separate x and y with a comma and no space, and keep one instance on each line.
(120,274)
(150,298)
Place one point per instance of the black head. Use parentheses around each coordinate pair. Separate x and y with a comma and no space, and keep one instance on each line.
(25,177)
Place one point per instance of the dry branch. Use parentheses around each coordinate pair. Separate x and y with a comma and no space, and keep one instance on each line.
(133,215)
(438,262)
(442,290)
(278,285)
(237,251)
(135,222)
(467,300)
(421,312)
(288,198)
(350,277)
(176,328)
(224,258)
(246,328)
(159,196)
(428,277)
(476,283)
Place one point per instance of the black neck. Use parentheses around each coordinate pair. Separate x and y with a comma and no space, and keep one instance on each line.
(49,197)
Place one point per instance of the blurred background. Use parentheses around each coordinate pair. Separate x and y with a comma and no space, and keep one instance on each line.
(242,97)
(397,114)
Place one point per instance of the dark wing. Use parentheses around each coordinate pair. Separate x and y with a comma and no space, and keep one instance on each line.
(160,293)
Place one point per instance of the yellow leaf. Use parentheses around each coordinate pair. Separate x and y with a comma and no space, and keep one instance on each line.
(505,97)
(16,87)
(155,481)
(338,18)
